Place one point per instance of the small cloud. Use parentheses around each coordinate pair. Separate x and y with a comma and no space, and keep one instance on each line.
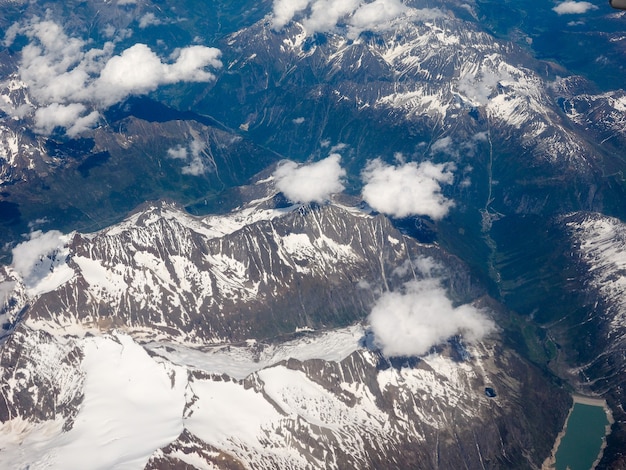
(196,166)
(149,19)
(409,322)
(109,31)
(481,137)
(285,10)
(338,147)
(574,8)
(179,152)
(444,145)
(298,120)
(407,189)
(479,87)
(6,290)
(40,261)
(195,155)
(37,223)
(315,182)
(465,182)
(325,14)
(370,16)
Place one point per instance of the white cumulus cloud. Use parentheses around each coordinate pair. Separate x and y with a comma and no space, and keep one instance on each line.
(285,10)
(479,87)
(325,14)
(179,152)
(411,321)
(356,15)
(407,189)
(6,289)
(70,116)
(63,74)
(138,70)
(314,182)
(574,8)
(370,15)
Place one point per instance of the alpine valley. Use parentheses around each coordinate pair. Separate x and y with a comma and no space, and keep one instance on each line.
(301,234)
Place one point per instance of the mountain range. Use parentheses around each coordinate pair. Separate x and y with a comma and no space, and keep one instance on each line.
(313,234)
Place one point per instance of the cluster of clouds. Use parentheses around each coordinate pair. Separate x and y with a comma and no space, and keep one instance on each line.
(356,15)
(69,83)
(410,321)
(571,7)
(194,154)
(400,190)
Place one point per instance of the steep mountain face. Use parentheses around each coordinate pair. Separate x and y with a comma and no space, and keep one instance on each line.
(597,243)
(221,341)
(438,84)
(41,377)
(166,272)
(169,155)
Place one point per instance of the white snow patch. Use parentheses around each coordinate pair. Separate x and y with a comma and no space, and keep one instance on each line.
(212,226)
(132,406)
(416,102)
(225,411)
(23,442)
(294,393)
(100,278)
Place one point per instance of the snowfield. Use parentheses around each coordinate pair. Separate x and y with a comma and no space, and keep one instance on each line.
(138,400)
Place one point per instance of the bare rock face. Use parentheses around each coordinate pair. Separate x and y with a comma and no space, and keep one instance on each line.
(41,377)
(187,451)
